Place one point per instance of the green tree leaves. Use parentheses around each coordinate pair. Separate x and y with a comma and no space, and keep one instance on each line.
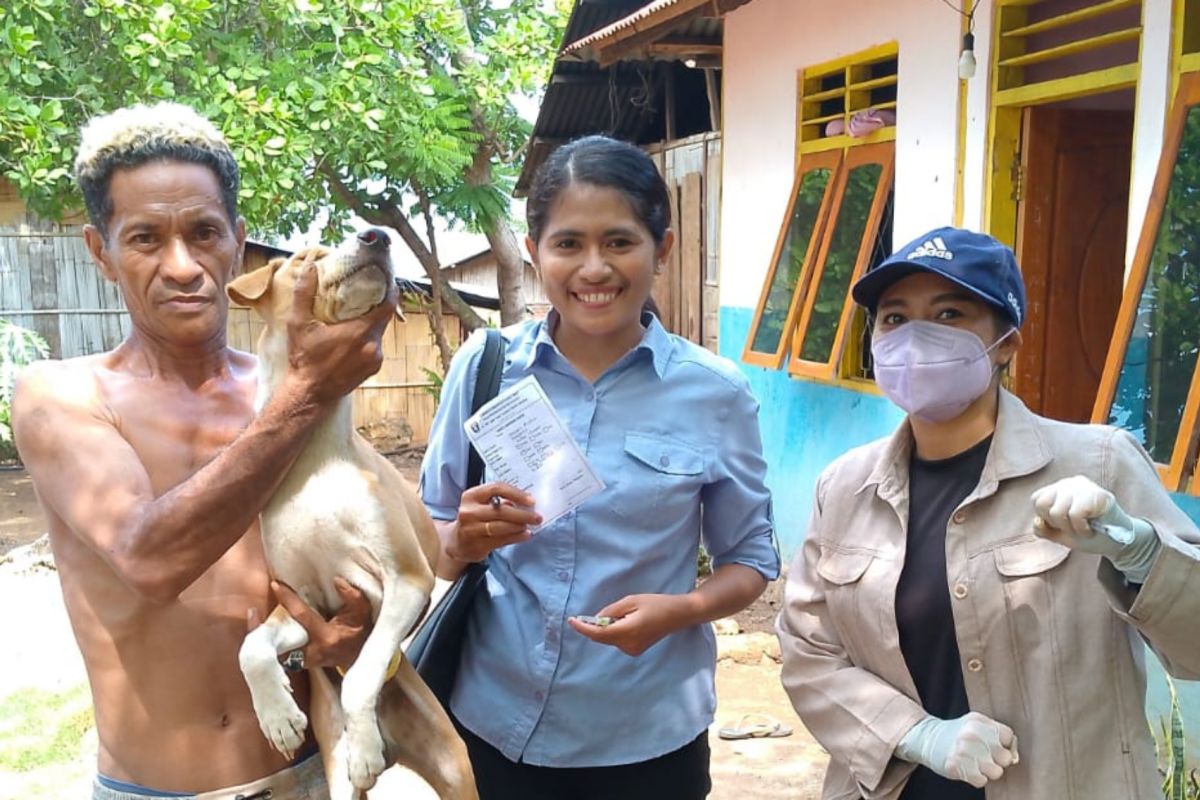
(389,96)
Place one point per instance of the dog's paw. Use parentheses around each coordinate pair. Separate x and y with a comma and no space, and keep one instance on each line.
(283,724)
(365,756)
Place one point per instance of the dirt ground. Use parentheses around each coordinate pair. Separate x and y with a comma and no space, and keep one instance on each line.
(43,656)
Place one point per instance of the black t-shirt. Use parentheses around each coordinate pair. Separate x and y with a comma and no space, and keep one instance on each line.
(923,612)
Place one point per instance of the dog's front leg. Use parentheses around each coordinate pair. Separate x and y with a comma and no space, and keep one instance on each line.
(281,720)
(401,605)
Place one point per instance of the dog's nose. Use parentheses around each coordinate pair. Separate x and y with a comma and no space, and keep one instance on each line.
(374,237)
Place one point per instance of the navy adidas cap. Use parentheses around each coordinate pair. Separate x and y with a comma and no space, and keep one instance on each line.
(977,262)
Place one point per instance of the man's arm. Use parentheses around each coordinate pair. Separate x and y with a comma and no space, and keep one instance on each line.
(90,476)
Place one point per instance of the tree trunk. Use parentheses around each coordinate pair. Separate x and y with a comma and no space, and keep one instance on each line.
(510,271)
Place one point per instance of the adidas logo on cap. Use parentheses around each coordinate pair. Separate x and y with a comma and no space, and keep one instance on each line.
(933,248)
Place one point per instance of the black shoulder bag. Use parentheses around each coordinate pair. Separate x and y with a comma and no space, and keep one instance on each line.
(436,647)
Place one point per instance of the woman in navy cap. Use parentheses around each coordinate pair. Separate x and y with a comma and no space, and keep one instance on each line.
(969,606)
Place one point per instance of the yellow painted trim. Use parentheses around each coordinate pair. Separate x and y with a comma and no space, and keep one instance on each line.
(1189,62)
(1071,17)
(887,134)
(960,147)
(1102,80)
(1073,47)
(853,384)
(1005,158)
(879,52)
(828,94)
(874,83)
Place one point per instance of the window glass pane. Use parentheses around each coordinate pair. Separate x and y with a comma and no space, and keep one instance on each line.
(791,260)
(839,264)
(1161,355)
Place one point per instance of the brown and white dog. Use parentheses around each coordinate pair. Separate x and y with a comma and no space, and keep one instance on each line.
(343,510)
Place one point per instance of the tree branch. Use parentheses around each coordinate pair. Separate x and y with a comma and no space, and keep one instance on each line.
(390,215)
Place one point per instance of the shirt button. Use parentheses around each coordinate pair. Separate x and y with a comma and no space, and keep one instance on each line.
(664,461)
(975,665)
(539,695)
(960,517)
(961,590)
(563,575)
(591,396)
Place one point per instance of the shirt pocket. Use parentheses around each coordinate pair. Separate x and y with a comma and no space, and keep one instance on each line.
(1031,576)
(853,614)
(1029,557)
(658,477)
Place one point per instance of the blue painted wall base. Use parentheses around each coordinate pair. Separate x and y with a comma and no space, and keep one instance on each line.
(806,425)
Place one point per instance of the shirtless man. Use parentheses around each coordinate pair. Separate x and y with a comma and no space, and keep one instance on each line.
(152,468)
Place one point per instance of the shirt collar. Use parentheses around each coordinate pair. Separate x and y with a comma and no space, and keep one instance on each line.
(1018,448)
(655,341)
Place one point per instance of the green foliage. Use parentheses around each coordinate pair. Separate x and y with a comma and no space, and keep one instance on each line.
(1178,783)
(434,389)
(834,284)
(18,348)
(392,97)
(40,727)
(801,225)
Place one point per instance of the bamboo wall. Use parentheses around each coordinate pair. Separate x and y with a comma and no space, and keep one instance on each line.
(394,406)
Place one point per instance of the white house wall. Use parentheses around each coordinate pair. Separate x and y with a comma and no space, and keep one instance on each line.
(766,43)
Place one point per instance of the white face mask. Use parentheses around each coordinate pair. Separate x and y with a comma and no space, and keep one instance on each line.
(933,371)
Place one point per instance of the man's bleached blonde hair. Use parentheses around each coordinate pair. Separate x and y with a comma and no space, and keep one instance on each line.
(130,137)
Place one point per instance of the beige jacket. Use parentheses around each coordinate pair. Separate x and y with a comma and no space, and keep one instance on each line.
(1048,637)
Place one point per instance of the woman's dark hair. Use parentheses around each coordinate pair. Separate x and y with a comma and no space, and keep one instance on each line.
(601,161)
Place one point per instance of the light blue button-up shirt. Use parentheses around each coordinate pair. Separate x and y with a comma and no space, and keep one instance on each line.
(673,431)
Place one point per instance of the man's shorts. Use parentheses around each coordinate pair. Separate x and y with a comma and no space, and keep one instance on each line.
(303,781)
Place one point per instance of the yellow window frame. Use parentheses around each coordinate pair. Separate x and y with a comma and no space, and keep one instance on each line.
(832,161)
(883,154)
(1185,49)
(1175,472)
(1012,52)
(857,84)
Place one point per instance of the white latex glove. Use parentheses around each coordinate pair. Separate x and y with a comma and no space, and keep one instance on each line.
(1079,514)
(973,748)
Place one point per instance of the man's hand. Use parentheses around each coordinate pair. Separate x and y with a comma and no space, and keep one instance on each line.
(330,361)
(484,524)
(1077,513)
(972,748)
(335,643)
(639,621)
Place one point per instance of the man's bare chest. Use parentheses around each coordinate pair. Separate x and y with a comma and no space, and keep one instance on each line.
(175,433)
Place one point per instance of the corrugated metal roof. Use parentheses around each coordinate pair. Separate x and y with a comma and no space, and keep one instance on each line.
(620,101)
(645,19)
(642,14)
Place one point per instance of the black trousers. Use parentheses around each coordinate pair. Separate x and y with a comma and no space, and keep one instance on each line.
(680,775)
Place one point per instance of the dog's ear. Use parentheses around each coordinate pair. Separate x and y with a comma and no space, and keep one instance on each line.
(248,289)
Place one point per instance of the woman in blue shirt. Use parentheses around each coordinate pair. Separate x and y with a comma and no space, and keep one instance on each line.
(551,706)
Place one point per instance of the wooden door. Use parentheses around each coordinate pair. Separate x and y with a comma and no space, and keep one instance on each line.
(1072,219)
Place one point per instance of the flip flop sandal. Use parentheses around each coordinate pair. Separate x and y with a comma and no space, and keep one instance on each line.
(755,726)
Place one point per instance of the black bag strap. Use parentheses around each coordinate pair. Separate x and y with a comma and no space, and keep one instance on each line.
(487,386)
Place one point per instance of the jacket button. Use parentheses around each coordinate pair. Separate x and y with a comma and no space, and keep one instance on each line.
(961,590)
(664,461)
(960,516)
(975,665)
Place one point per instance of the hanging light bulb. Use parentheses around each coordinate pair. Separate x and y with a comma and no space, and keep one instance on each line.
(966,59)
